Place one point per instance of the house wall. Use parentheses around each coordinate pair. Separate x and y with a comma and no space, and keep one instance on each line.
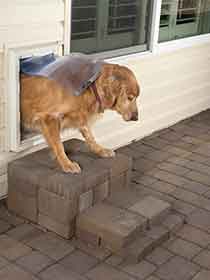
(174,85)
(24,22)
(2,106)
(27,21)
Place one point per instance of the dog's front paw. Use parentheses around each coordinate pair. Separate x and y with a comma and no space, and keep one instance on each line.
(71,167)
(107,153)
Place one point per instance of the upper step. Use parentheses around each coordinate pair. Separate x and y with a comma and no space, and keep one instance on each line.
(42,193)
(152,208)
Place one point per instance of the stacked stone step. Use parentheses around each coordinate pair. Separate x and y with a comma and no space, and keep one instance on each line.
(40,192)
(131,233)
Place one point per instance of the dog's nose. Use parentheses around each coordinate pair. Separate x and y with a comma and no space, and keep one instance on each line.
(134,116)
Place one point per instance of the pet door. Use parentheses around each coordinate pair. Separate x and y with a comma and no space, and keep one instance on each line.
(18,138)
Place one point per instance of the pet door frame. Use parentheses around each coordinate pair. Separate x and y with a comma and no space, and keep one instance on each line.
(13,54)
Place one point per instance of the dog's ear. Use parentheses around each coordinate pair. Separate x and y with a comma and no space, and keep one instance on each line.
(110,85)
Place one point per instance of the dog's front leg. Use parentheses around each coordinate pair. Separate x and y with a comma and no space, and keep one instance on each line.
(50,127)
(94,147)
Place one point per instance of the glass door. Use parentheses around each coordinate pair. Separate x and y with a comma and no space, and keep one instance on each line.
(168,20)
(205,17)
(187,20)
(104,25)
(179,18)
(125,24)
(84,25)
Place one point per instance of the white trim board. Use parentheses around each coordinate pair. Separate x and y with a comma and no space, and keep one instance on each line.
(12,56)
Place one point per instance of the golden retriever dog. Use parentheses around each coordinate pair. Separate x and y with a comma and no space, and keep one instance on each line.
(48,108)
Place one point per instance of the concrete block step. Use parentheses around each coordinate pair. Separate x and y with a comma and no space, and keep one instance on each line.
(41,192)
(144,244)
(109,226)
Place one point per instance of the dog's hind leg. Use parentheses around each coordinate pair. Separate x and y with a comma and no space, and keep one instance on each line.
(94,147)
(50,127)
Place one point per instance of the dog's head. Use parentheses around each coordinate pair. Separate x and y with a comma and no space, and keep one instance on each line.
(120,91)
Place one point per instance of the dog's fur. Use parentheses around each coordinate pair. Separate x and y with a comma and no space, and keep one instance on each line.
(46,107)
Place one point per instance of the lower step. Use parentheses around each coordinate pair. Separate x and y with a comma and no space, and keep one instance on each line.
(150,239)
(109,226)
(144,244)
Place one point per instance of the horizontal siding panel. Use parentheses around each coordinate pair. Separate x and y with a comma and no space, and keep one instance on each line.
(1,65)
(26,12)
(2,139)
(164,78)
(189,96)
(154,71)
(2,92)
(180,56)
(31,34)
(2,115)
(153,65)
(155,76)
(170,85)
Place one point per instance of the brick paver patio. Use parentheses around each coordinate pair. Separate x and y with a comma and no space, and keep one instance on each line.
(173,165)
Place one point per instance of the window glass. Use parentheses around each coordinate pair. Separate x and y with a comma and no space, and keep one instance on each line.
(184,18)
(104,25)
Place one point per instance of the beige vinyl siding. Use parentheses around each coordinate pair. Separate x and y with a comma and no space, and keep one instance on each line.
(2,139)
(2,115)
(1,66)
(31,21)
(20,12)
(31,34)
(2,107)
